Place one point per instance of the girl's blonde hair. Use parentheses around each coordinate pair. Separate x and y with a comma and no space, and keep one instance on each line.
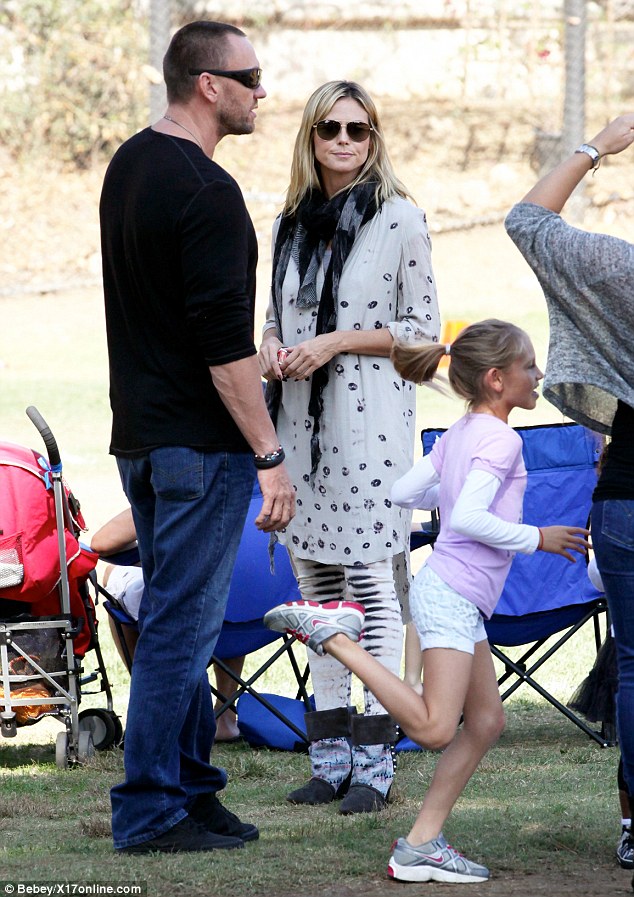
(304,167)
(478,348)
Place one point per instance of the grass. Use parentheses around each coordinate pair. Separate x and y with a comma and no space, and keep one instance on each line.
(548,790)
(544,798)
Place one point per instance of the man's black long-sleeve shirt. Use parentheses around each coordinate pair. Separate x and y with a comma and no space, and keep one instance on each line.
(179,257)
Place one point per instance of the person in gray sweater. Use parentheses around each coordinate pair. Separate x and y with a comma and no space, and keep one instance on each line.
(588,284)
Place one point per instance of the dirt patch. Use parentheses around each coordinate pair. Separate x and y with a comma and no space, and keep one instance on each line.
(591,880)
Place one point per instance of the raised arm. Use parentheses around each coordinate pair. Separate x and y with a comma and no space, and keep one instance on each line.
(554,189)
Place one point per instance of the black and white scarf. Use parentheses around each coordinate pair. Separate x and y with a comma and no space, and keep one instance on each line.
(304,237)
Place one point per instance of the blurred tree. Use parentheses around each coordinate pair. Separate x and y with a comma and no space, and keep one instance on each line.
(78,80)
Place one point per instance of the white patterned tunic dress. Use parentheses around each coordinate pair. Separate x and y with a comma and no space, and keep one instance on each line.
(367,426)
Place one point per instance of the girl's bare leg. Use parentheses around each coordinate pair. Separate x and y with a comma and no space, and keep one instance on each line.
(483,725)
(413,659)
(456,683)
(431,719)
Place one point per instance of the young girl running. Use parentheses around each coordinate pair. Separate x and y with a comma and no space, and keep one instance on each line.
(475,474)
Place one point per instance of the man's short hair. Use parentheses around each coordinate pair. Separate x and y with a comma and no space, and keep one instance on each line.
(199,45)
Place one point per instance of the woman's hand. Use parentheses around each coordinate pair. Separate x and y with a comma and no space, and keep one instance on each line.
(304,358)
(616,136)
(267,356)
(564,539)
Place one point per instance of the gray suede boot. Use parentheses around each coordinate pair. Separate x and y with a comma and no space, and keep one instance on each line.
(373,764)
(330,757)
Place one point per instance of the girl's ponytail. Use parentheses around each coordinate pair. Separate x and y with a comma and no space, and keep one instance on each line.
(417,362)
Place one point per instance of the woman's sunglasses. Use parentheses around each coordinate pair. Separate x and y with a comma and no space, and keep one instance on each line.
(357,131)
(251,78)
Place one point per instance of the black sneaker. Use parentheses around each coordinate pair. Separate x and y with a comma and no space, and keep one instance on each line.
(187,836)
(207,810)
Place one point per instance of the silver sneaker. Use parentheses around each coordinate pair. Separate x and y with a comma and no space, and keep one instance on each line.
(314,623)
(625,849)
(433,861)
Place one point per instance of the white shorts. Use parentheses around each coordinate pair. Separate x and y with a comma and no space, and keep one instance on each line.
(126,585)
(443,618)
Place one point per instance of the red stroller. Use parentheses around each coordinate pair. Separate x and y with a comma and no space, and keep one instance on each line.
(47,616)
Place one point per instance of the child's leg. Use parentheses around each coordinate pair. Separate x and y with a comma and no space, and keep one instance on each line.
(324,582)
(430,719)
(413,658)
(483,724)
(457,682)
(453,680)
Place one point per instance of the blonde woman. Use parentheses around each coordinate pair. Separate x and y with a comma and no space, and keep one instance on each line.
(351,273)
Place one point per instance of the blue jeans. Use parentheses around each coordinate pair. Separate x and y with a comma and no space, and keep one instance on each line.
(189,509)
(613,540)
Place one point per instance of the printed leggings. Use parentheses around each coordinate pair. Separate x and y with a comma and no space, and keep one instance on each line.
(373,587)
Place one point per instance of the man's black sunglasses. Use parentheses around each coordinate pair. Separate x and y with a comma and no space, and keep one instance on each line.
(251,78)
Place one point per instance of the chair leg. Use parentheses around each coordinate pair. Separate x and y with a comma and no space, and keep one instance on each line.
(525,677)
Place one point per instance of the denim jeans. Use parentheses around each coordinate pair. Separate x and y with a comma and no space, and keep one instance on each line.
(189,509)
(613,540)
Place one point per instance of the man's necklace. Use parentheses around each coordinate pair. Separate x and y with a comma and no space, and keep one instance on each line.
(174,122)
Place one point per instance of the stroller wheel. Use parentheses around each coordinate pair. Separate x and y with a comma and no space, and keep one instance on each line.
(104,726)
(61,751)
(118,729)
(85,747)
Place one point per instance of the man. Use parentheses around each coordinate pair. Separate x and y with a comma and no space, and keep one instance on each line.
(179,257)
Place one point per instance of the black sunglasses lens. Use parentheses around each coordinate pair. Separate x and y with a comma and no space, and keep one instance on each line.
(328,130)
(252,78)
(358,131)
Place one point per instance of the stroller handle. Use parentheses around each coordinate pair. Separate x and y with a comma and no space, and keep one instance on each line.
(49,440)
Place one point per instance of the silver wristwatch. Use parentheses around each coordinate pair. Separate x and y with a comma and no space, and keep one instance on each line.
(591,151)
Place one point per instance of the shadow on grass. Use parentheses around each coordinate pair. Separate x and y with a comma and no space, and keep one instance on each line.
(16,756)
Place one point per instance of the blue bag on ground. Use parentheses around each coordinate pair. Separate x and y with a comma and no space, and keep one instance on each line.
(261,728)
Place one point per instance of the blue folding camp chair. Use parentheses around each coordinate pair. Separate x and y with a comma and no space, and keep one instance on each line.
(545,595)
(254,590)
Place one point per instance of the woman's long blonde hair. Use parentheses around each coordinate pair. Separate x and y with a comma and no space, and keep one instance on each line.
(478,348)
(304,167)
